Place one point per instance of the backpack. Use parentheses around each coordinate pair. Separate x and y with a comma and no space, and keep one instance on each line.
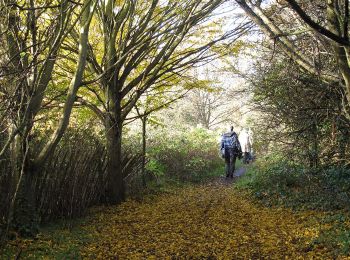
(230,141)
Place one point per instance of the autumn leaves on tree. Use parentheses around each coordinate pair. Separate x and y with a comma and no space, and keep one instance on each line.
(101,55)
(119,62)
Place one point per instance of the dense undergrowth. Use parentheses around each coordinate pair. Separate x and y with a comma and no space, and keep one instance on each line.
(182,157)
(275,181)
(278,182)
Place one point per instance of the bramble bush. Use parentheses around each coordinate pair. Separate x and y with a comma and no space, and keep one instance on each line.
(276,181)
(184,156)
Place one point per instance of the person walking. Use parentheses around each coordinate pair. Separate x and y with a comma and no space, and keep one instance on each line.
(245,139)
(230,149)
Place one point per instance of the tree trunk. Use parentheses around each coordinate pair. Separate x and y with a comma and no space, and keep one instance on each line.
(115,190)
(76,81)
(314,153)
(144,129)
(341,52)
(23,216)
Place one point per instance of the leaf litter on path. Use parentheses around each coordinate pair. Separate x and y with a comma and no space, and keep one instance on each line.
(208,221)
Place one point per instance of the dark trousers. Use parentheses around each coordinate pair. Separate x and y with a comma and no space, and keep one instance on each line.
(230,161)
(246,157)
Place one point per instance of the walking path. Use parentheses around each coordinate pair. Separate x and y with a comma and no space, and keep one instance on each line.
(210,221)
(207,222)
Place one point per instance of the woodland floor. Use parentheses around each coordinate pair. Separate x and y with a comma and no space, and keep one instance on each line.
(207,221)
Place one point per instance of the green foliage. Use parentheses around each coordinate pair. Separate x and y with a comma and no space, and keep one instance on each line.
(299,114)
(156,168)
(277,181)
(185,156)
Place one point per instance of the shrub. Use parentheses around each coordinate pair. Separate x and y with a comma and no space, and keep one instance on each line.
(156,168)
(276,181)
(185,156)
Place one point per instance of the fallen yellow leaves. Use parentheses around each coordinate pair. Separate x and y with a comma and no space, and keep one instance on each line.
(210,221)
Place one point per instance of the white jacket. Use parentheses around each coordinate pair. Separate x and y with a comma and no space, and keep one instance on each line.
(246,141)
